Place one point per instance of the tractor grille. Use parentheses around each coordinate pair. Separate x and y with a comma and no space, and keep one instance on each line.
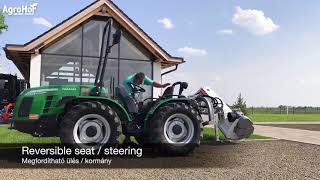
(25,107)
(48,104)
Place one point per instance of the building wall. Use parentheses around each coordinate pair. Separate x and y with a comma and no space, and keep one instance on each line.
(35,70)
(157,78)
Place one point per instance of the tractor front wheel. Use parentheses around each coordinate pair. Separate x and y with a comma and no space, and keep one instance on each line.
(90,124)
(176,129)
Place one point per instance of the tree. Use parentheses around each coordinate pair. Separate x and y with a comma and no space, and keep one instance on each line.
(240,104)
(3,25)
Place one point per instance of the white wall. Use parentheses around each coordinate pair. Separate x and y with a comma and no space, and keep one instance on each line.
(35,70)
(157,78)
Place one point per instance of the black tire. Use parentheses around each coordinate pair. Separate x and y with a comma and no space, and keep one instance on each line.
(71,118)
(157,125)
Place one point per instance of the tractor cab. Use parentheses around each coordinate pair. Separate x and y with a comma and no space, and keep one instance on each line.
(134,106)
(139,110)
(10,88)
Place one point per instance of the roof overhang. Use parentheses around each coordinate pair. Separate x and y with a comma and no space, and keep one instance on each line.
(21,54)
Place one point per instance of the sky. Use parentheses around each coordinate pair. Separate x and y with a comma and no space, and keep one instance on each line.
(267,50)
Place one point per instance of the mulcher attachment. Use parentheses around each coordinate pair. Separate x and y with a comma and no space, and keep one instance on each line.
(214,111)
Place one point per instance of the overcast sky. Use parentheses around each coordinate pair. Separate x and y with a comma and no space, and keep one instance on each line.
(268,49)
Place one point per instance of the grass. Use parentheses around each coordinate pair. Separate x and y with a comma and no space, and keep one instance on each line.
(208,134)
(11,136)
(284,117)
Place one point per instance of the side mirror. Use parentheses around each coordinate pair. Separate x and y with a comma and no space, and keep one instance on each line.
(117,37)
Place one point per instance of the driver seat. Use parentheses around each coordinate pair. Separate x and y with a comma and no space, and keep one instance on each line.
(126,99)
(168,92)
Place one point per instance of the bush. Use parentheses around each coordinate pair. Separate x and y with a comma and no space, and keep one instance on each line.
(3,25)
(240,104)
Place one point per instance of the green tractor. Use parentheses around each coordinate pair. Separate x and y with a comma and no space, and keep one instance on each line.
(91,116)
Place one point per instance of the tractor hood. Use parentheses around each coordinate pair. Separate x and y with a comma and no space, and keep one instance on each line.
(62,90)
(48,100)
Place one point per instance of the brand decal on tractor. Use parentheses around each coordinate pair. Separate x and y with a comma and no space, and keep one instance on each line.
(69,89)
(41,91)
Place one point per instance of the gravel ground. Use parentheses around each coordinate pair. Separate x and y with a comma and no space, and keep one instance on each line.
(311,127)
(275,159)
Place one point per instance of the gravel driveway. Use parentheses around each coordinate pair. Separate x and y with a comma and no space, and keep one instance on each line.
(275,159)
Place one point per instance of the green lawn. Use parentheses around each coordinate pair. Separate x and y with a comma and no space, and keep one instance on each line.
(284,117)
(11,136)
(208,134)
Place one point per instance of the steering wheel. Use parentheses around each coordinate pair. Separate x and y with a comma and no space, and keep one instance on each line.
(136,88)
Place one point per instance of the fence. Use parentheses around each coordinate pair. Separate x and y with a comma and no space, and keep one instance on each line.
(283,110)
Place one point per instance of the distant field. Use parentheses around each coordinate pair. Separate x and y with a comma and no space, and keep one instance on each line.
(284,117)
(11,136)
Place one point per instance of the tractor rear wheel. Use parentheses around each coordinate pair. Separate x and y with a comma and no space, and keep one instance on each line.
(176,129)
(90,124)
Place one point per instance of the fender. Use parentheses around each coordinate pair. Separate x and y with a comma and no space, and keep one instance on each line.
(117,107)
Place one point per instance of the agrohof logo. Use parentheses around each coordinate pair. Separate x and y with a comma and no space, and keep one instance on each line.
(20,10)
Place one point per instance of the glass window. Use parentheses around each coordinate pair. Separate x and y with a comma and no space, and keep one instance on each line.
(89,70)
(68,45)
(128,68)
(61,61)
(57,69)
(130,48)
(3,83)
(4,87)
(92,37)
